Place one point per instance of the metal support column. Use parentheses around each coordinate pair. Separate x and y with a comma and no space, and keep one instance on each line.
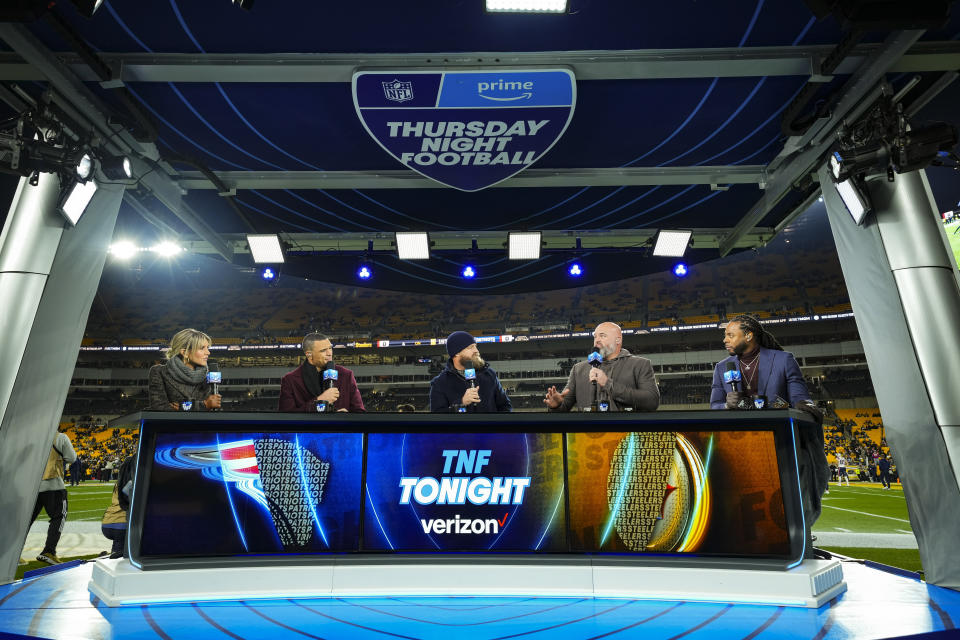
(903,286)
(48,279)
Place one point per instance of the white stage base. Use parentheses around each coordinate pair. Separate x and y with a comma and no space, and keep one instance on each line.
(811,584)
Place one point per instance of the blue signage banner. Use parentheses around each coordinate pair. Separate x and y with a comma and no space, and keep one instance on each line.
(466,129)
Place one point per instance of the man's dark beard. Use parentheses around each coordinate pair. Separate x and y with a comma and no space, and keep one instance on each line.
(741,348)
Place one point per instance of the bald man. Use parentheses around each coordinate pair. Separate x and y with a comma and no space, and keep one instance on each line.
(623,379)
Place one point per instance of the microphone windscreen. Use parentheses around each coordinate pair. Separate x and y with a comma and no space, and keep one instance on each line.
(731,366)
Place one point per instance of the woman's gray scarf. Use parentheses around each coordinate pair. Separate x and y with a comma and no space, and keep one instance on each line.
(183,374)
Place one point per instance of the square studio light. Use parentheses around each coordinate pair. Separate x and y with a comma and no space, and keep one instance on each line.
(672,244)
(265,248)
(524,245)
(77,198)
(854,199)
(413,245)
(526,6)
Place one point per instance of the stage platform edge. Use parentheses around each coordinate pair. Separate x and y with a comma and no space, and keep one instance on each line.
(811,584)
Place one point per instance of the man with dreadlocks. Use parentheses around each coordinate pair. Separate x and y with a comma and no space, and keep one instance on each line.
(767,370)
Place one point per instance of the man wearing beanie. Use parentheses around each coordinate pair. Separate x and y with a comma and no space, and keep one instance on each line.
(451,391)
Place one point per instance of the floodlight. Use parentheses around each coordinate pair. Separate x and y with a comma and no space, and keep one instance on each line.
(80,161)
(123,250)
(854,199)
(468,272)
(526,6)
(672,244)
(116,167)
(75,200)
(265,248)
(364,272)
(680,270)
(860,160)
(413,245)
(167,249)
(575,270)
(268,274)
(524,245)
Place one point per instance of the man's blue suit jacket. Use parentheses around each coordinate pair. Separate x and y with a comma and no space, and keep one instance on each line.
(779,374)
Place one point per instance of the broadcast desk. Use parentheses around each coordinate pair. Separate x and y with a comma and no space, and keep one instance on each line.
(680,505)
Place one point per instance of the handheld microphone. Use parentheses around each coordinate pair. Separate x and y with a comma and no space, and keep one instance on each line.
(214,375)
(732,376)
(594,359)
(471,376)
(330,375)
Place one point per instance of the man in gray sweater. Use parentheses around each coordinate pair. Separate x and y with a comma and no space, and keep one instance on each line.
(623,379)
(53,495)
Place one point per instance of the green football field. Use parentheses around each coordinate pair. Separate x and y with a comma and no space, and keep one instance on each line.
(87,501)
(953,234)
(857,521)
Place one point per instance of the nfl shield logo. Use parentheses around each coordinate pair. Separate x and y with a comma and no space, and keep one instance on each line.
(398,91)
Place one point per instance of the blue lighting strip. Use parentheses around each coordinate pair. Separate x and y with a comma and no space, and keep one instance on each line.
(803,521)
(226,487)
(623,488)
(552,516)
(306,489)
(133,492)
(379,524)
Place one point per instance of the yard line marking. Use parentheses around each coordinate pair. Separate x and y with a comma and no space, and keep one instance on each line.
(842,529)
(864,513)
(903,531)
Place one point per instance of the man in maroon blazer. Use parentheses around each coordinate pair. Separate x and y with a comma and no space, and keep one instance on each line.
(305,390)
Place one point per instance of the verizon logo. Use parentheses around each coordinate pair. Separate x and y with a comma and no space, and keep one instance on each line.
(458,525)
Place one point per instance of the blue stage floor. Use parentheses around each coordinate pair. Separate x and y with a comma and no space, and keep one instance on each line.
(876,605)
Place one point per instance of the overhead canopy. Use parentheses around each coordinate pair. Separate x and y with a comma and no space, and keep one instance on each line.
(244,121)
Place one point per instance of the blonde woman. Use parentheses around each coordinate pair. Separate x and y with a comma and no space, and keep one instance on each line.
(181,383)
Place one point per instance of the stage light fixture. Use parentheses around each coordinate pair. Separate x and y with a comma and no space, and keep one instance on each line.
(862,160)
(672,244)
(265,248)
(680,270)
(166,249)
(412,245)
(526,6)
(87,7)
(575,270)
(468,272)
(116,167)
(523,245)
(364,272)
(123,250)
(75,199)
(268,274)
(854,198)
